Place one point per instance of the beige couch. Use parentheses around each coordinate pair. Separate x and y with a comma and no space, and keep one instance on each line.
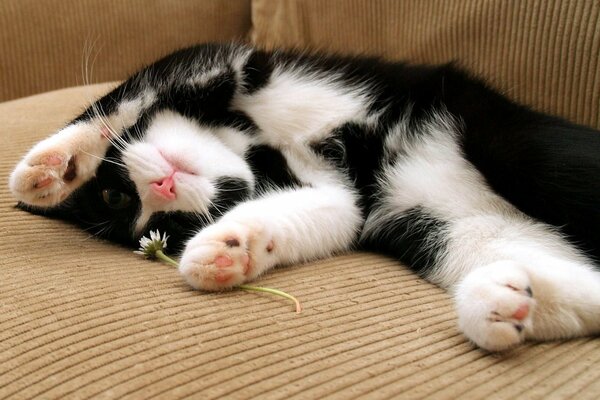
(84,318)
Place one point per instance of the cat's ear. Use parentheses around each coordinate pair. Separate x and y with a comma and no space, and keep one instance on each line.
(58,165)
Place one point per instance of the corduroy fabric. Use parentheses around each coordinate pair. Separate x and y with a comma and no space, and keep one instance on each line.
(82,318)
(544,53)
(52,44)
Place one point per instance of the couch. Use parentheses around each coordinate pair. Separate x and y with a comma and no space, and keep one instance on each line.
(83,318)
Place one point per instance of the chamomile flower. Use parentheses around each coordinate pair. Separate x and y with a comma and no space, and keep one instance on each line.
(152,248)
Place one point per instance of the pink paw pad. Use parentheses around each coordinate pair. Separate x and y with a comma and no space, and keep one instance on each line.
(222,277)
(522,312)
(43,183)
(246,264)
(53,160)
(223,262)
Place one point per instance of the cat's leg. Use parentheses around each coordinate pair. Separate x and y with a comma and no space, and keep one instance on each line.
(528,295)
(58,165)
(280,228)
(513,278)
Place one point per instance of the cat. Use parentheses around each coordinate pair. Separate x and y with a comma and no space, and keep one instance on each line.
(250,159)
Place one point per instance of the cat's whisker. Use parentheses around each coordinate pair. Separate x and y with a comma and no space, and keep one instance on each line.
(138,134)
(103,231)
(102,225)
(87,67)
(142,163)
(94,226)
(113,136)
(85,60)
(204,212)
(104,159)
(214,206)
(116,136)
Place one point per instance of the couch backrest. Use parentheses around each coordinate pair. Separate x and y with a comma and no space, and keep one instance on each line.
(545,53)
(45,43)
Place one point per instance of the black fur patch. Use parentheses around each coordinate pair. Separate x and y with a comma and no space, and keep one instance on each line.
(358,151)
(545,166)
(414,237)
(270,168)
(230,191)
(180,226)
(86,208)
(257,71)
(210,103)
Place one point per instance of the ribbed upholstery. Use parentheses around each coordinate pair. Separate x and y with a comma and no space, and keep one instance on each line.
(82,318)
(52,44)
(544,53)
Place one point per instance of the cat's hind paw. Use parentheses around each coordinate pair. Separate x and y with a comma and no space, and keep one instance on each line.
(495,305)
(225,255)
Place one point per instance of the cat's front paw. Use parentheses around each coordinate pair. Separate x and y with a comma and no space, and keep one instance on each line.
(58,165)
(43,177)
(225,255)
(495,305)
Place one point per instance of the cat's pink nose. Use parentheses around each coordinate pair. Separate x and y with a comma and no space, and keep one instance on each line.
(165,188)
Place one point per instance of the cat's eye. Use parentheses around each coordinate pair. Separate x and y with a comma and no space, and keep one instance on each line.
(115,199)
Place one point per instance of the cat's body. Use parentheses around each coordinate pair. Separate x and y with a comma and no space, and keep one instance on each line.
(265,159)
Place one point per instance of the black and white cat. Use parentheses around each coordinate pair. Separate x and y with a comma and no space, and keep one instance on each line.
(251,159)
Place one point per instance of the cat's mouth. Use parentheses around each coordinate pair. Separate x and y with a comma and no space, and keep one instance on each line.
(178,165)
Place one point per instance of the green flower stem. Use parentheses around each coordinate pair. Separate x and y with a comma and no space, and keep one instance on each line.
(274,291)
(163,257)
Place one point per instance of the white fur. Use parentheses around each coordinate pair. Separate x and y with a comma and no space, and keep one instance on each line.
(297,108)
(201,79)
(298,225)
(175,141)
(203,70)
(129,111)
(235,140)
(486,233)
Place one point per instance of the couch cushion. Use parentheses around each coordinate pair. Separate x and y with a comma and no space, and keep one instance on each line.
(49,44)
(542,53)
(82,317)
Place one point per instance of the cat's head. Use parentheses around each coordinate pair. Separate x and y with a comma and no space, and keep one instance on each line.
(170,174)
